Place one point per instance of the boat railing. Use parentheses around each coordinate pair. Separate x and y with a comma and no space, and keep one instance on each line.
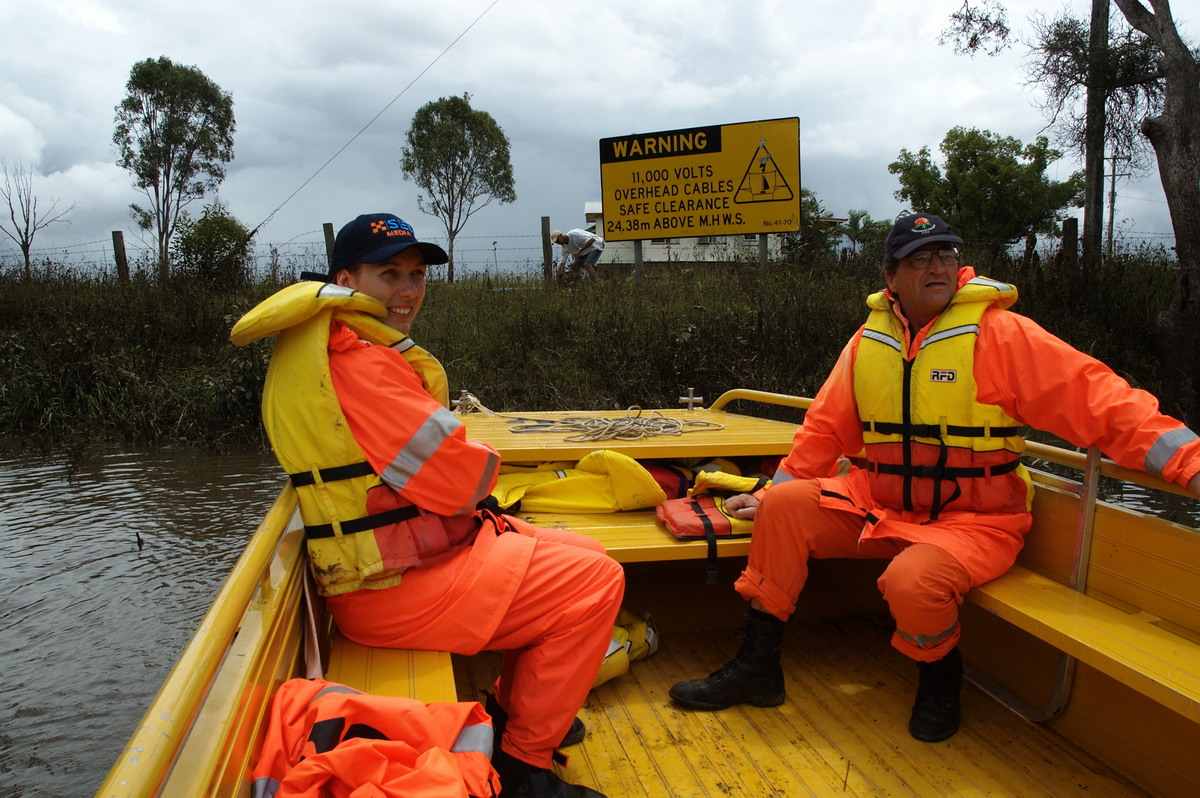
(148,756)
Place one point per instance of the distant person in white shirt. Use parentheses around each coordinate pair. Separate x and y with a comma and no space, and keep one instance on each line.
(581,245)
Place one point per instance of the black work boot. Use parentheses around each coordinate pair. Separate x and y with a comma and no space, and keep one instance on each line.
(938,708)
(754,676)
(520,779)
(574,735)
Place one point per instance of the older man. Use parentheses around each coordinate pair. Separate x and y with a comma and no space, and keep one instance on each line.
(935,387)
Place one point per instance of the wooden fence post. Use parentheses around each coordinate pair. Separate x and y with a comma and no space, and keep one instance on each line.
(118,239)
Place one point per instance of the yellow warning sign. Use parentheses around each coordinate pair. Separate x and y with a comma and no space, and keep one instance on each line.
(714,180)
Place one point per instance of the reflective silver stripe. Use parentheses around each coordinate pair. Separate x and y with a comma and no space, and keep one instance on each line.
(781,476)
(928,641)
(404,345)
(953,332)
(475,738)
(561,474)
(1165,447)
(999,286)
(264,787)
(333,289)
(882,338)
(408,461)
(334,688)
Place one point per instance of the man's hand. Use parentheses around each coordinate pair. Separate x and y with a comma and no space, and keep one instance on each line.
(1194,485)
(743,505)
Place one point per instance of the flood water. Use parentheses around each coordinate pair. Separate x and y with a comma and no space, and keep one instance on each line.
(91,622)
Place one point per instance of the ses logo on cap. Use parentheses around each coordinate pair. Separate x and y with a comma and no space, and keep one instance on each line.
(922,225)
(392,227)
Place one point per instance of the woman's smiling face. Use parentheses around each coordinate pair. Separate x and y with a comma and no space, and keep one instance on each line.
(398,282)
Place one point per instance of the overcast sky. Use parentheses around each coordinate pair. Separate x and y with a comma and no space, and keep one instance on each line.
(865,79)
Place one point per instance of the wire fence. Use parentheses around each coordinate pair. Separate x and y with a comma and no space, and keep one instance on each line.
(519,255)
(473,256)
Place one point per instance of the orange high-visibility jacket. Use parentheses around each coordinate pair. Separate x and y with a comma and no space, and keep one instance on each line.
(1031,376)
(326,740)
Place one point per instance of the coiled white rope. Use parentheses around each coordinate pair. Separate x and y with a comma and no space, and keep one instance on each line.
(632,427)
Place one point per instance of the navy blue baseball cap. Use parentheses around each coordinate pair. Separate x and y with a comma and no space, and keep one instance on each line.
(375,237)
(914,230)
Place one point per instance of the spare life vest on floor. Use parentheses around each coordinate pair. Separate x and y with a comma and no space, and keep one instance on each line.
(634,637)
(326,740)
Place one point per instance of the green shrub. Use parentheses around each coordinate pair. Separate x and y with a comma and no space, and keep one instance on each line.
(94,359)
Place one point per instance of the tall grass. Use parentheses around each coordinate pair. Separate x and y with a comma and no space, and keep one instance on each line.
(86,359)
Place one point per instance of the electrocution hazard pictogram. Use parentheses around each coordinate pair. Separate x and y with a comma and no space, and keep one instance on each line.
(763,181)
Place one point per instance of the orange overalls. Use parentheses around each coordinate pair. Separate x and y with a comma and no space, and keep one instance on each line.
(548,598)
(1019,367)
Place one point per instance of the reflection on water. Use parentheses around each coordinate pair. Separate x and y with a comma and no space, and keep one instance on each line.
(91,621)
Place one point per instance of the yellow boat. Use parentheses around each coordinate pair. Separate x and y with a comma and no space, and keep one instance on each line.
(1083,661)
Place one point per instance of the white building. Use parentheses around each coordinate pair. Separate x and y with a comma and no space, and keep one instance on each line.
(682,251)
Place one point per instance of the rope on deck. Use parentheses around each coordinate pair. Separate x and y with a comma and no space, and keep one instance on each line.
(633,426)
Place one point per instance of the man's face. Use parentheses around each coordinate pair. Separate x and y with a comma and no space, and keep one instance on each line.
(925,282)
(398,282)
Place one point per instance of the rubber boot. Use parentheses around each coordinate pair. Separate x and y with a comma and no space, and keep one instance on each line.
(754,676)
(937,711)
(520,779)
(574,735)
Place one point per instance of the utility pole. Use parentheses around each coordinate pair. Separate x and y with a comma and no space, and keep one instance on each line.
(1112,199)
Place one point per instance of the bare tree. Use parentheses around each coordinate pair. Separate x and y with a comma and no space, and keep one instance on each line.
(24,218)
(1173,134)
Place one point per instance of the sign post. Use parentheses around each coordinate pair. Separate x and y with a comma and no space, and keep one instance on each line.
(740,179)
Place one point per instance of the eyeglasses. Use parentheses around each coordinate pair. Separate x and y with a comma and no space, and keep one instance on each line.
(922,257)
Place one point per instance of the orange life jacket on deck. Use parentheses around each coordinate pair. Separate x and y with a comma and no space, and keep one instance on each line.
(326,740)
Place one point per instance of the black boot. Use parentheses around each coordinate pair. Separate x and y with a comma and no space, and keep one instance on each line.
(754,676)
(938,708)
(520,779)
(574,735)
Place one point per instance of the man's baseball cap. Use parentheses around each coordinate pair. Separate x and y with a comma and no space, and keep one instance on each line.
(375,237)
(554,234)
(914,230)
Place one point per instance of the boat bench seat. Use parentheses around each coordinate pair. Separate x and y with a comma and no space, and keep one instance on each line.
(424,675)
(637,536)
(1136,648)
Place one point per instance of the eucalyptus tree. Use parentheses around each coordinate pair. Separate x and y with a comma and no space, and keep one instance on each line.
(1171,131)
(174,135)
(993,188)
(460,158)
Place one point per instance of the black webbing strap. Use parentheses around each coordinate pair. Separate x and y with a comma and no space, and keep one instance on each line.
(305,478)
(942,472)
(936,430)
(363,524)
(711,535)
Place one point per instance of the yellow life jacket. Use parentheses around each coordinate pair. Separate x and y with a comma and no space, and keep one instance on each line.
(603,481)
(360,533)
(928,442)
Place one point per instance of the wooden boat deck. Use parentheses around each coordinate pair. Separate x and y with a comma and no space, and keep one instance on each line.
(842,730)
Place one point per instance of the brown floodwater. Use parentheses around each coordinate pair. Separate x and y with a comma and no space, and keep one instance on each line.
(91,619)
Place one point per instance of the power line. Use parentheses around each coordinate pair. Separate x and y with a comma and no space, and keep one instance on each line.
(353,138)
